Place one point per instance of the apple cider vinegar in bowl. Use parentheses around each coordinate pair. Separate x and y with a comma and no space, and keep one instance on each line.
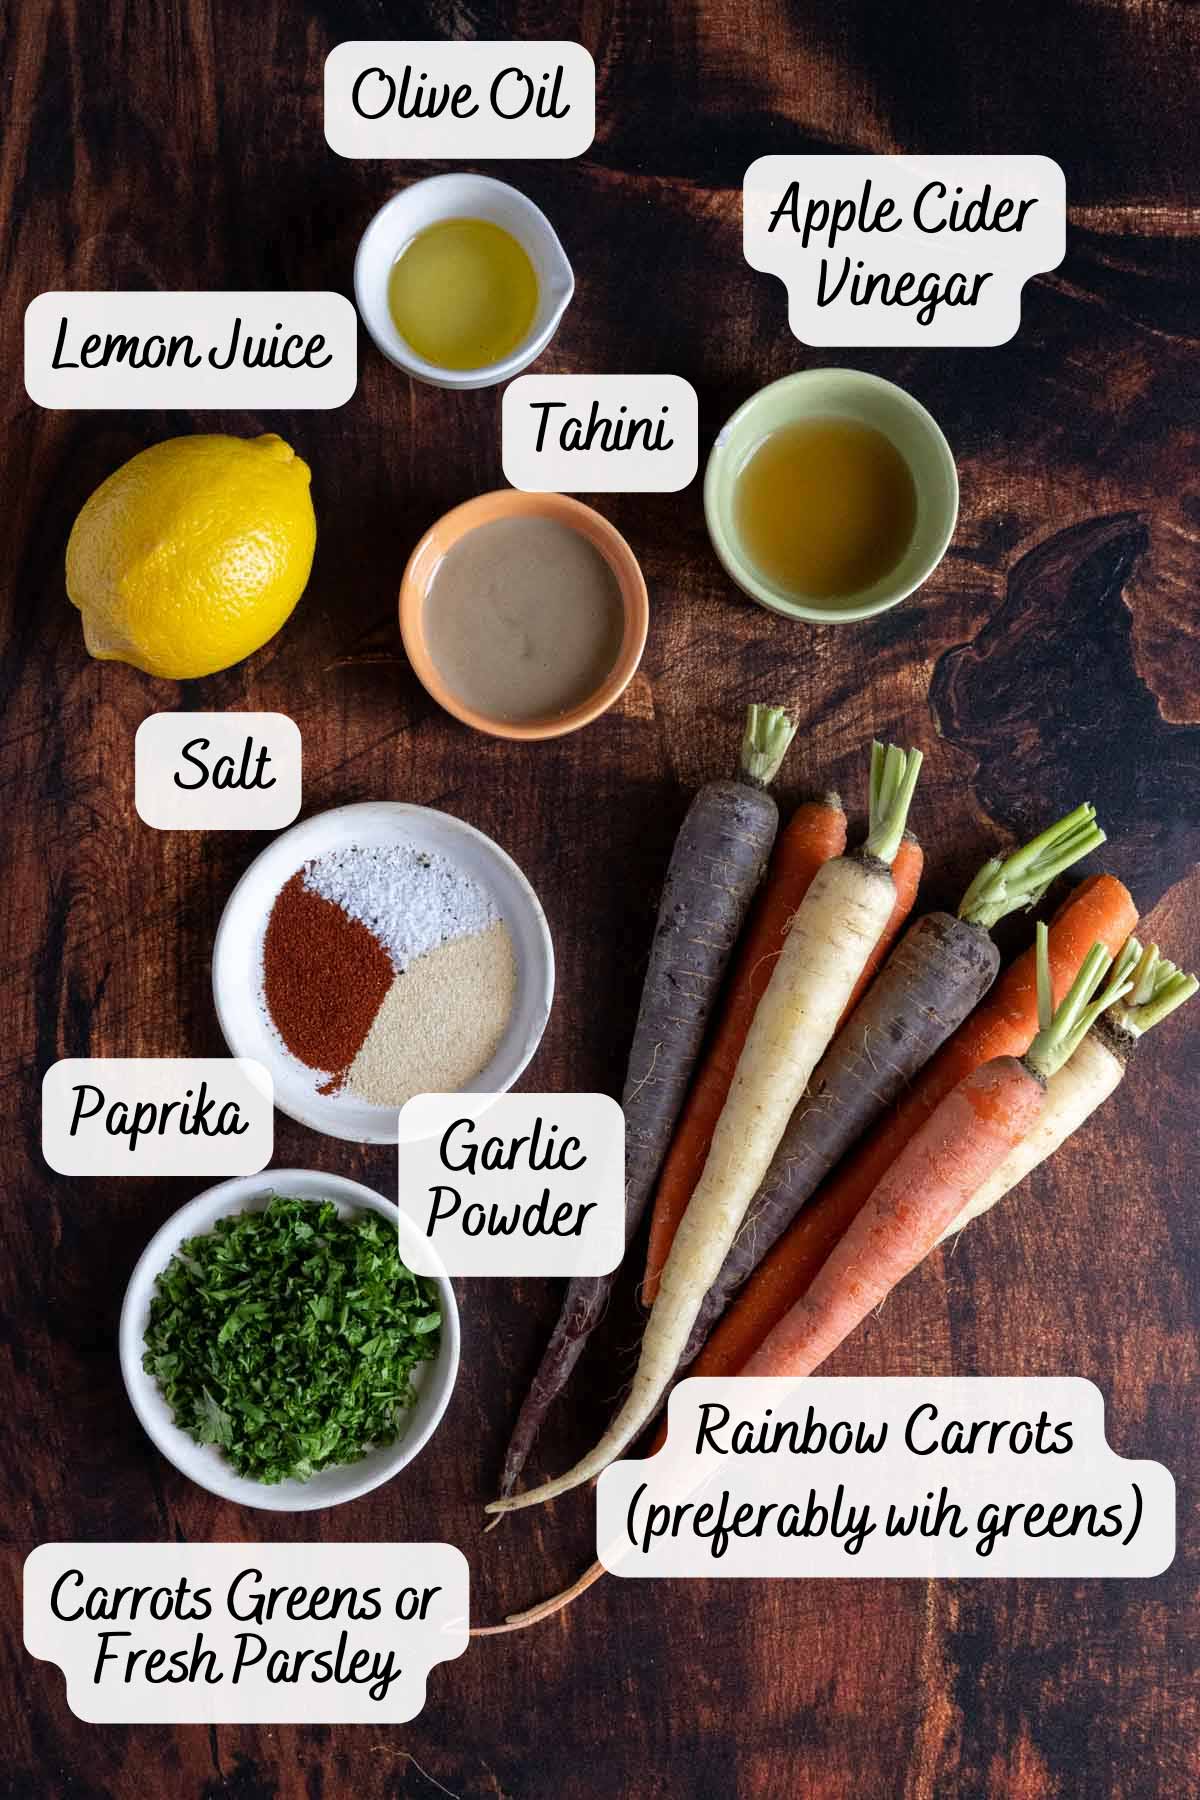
(830,495)
(825,507)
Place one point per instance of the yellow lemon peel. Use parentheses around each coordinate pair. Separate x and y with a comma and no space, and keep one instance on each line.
(192,554)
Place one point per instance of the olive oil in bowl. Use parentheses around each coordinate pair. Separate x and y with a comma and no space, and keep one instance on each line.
(463,293)
(825,508)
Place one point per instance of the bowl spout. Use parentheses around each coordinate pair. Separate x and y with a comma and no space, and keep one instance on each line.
(560,280)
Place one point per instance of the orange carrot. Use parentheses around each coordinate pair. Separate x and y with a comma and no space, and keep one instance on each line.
(815,833)
(1100,909)
(960,1143)
(906,875)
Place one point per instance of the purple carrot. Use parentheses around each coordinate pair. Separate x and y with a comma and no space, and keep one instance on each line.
(717,863)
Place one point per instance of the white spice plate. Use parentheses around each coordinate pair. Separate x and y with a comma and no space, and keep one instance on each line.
(433,1382)
(238,951)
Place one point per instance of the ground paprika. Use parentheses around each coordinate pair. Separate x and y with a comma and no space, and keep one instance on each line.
(324,979)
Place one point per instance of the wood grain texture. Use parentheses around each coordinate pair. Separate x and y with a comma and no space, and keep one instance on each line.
(1053,656)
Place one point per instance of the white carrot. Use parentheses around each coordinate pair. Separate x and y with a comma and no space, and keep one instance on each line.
(1095,1069)
(833,933)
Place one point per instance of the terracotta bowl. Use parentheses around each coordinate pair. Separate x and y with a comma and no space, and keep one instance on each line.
(509,503)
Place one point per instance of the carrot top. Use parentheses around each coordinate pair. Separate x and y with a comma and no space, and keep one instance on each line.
(1062,1029)
(1006,883)
(893,777)
(1155,989)
(768,733)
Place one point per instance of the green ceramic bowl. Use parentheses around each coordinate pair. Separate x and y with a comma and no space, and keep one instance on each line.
(847,394)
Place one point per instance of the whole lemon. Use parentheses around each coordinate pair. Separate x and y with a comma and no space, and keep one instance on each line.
(193,553)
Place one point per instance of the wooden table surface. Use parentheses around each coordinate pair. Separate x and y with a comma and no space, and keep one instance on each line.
(1052,657)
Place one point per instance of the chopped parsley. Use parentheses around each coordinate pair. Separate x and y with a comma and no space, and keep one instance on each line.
(288,1337)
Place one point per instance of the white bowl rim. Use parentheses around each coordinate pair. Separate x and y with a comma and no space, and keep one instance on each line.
(544,995)
(221,1479)
(401,354)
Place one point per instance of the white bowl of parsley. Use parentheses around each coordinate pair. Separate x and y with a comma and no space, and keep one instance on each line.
(277,1348)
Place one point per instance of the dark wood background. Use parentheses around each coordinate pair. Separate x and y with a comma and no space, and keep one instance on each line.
(1052,657)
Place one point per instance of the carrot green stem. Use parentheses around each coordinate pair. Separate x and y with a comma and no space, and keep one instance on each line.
(1061,1029)
(1004,884)
(1122,977)
(769,731)
(893,777)
(1155,989)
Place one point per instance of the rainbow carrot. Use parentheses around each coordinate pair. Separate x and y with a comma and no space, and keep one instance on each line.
(937,974)
(962,1141)
(1100,909)
(848,905)
(720,856)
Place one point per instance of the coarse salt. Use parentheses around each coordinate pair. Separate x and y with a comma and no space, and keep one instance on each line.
(412,899)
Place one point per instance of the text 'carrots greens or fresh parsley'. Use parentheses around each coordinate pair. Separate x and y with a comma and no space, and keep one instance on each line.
(717,863)
(288,1337)
(964,1139)
(837,925)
